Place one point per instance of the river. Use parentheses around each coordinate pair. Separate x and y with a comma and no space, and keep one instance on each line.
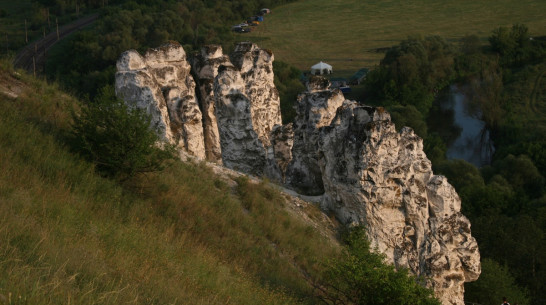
(473,144)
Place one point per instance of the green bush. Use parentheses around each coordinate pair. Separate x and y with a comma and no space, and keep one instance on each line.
(361,276)
(117,139)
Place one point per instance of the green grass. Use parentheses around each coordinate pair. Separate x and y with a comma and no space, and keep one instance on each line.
(182,236)
(347,33)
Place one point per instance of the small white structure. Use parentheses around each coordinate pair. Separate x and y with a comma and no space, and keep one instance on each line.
(321,68)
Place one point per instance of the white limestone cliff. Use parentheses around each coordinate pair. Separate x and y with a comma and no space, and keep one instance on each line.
(247,110)
(205,67)
(256,68)
(368,173)
(160,83)
(241,147)
(380,178)
(315,108)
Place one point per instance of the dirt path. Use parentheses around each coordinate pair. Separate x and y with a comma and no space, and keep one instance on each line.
(34,55)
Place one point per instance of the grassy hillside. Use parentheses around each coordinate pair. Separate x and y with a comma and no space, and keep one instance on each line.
(350,34)
(182,236)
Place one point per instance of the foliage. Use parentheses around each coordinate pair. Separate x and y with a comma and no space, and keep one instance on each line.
(361,276)
(412,73)
(515,46)
(495,283)
(118,139)
(287,81)
(408,116)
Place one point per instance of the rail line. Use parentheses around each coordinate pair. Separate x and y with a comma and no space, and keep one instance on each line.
(34,54)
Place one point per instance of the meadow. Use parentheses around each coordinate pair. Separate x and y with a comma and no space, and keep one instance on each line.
(352,34)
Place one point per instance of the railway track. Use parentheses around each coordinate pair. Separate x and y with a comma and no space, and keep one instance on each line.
(32,57)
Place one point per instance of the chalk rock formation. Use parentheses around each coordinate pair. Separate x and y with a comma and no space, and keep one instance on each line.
(256,68)
(368,172)
(247,110)
(160,83)
(382,179)
(315,109)
(282,141)
(241,147)
(205,67)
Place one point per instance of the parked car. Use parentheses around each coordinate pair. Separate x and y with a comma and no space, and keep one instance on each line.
(239,29)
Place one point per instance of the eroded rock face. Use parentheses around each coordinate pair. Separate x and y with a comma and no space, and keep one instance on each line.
(315,109)
(282,141)
(160,82)
(241,147)
(381,179)
(256,68)
(247,110)
(369,173)
(205,67)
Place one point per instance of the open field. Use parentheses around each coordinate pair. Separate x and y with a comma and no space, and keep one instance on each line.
(347,33)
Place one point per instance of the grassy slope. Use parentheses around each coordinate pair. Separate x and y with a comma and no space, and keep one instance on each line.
(184,236)
(346,33)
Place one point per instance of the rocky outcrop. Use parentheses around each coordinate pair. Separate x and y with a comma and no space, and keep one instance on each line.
(256,68)
(247,110)
(160,83)
(380,178)
(205,67)
(367,173)
(282,141)
(315,108)
(241,147)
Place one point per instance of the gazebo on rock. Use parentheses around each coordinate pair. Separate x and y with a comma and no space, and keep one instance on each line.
(321,68)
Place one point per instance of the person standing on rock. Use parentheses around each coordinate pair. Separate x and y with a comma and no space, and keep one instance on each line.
(504,301)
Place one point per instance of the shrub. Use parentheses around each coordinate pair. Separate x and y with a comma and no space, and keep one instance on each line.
(361,276)
(117,139)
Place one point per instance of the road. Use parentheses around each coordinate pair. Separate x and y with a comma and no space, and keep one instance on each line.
(33,56)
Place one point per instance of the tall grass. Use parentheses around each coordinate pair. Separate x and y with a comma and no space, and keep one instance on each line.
(182,236)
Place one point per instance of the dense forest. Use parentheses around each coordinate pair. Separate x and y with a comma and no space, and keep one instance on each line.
(505,201)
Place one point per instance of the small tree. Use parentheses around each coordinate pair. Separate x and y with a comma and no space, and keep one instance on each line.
(117,139)
(362,277)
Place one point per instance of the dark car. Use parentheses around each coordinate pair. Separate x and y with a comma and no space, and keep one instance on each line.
(239,29)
